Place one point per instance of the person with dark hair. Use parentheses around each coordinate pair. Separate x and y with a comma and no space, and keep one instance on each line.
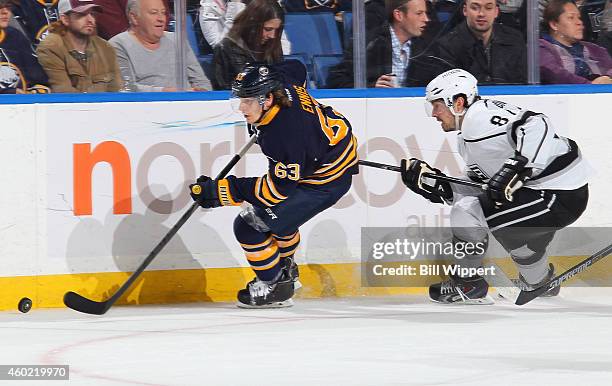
(564,57)
(74,57)
(536,183)
(19,70)
(312,157)
(394,50)
(493,53)
(254,37)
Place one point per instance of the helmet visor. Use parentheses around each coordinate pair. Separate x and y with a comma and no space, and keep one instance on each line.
(428,108)
(241,105)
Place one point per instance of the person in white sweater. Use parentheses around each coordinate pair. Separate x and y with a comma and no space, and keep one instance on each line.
(146,53)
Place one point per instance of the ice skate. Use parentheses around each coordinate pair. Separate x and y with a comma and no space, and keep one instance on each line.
(294,272)
(522,284)
(457,290)
(268,294)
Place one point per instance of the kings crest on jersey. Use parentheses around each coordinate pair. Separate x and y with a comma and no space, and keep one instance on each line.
(307,143)
(493,131)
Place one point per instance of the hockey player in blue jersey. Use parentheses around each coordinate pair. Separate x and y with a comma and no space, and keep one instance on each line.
(536,184)
(312,156)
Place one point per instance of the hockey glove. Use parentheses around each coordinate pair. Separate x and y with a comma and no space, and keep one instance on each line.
(432,189)
(508,179)
(211,193)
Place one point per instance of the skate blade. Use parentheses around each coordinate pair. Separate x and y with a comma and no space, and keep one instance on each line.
(512,294)
(508,293)
(283,304)
(487,300)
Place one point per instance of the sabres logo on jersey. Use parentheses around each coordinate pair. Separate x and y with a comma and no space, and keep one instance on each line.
(42,34)
(10,76)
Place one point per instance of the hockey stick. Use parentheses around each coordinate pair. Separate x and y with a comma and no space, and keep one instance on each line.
(441,177)
(82,304)
(525,297)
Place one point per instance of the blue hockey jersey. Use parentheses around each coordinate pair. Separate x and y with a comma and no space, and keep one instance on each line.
(19,68)
(308,143)
(35,16)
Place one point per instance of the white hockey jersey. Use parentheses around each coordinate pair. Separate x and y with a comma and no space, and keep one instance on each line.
(493,131)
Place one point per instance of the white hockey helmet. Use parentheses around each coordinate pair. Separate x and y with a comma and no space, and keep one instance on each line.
(449,85)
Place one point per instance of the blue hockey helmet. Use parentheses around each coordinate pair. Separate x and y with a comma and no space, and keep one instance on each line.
(256,80)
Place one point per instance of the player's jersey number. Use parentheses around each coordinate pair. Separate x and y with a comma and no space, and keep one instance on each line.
(291,171)
(335,129)
(499,121)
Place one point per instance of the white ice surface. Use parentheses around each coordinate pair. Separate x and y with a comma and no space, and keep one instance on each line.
(358,341)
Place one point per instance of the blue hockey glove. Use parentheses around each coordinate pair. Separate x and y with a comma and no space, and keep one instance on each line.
(211,193)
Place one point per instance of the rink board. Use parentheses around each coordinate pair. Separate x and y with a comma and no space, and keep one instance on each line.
(90,188)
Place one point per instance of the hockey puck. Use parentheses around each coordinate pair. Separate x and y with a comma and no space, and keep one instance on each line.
(25,305)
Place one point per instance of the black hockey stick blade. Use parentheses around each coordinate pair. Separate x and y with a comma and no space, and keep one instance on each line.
(82,304)
(527,296)
(441,177)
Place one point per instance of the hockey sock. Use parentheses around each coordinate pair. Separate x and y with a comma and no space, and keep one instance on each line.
(532,265)
(288,244)
(261,250)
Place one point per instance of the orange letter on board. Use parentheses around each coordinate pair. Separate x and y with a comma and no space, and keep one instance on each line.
(84,161)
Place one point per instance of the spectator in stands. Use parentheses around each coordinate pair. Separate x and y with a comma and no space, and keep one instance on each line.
(73,56)
(254,37)
(564,58)
(147,54)
(393,51)
(493,53)
(217,19)
(375,14)
(35,17)
(19,69)
(605,35)
(114,19)
(334,6)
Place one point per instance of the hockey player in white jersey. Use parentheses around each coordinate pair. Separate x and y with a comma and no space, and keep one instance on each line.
(536,183)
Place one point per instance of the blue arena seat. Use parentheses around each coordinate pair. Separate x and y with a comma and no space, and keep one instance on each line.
(313,33)
(321,65)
